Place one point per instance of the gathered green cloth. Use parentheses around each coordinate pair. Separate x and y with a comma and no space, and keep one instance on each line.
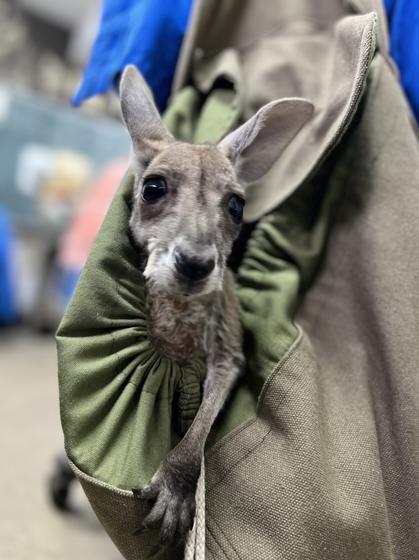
(123,404)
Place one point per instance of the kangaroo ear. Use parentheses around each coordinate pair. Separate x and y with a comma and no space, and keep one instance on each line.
(255,146)
(140,115)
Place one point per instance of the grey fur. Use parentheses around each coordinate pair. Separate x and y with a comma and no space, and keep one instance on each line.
(188,316)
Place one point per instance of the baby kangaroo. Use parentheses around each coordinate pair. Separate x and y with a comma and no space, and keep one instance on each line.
(188,205)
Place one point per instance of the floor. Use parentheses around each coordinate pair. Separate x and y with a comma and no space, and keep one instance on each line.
(30,437)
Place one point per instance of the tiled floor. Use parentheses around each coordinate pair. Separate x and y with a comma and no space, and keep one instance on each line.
(30,436)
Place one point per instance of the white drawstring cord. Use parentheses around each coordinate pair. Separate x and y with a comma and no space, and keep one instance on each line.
(195,543)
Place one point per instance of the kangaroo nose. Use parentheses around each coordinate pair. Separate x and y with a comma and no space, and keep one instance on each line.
(193,268)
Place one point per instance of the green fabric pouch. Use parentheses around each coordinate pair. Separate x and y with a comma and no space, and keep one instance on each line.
(123,404)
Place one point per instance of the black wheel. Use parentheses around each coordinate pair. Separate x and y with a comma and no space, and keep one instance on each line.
(60,482)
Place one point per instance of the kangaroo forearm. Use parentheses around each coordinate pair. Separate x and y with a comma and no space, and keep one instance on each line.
(217,388)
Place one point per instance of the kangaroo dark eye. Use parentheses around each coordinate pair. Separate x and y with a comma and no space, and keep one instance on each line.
(235,207)
(153,188)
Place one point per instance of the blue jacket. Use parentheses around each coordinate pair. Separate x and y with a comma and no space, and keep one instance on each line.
(141,32)
(403,16)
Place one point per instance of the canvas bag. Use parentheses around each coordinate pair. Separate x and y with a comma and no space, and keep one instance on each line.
(302,462)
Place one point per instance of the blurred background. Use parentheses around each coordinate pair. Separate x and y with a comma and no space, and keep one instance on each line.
(59,167)
(63,153)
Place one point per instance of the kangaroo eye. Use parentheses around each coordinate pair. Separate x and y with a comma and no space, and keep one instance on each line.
(235,207)
(153,188)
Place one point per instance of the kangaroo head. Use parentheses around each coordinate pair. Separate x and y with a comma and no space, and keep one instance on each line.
(188,199)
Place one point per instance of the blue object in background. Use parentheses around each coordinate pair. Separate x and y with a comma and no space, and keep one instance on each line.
(403,17)
(7,305)
(66,281)
(145,33)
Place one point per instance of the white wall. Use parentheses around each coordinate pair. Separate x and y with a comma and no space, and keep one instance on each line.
(68,13)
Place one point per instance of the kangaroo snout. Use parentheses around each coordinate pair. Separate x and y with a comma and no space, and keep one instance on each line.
(194,267)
